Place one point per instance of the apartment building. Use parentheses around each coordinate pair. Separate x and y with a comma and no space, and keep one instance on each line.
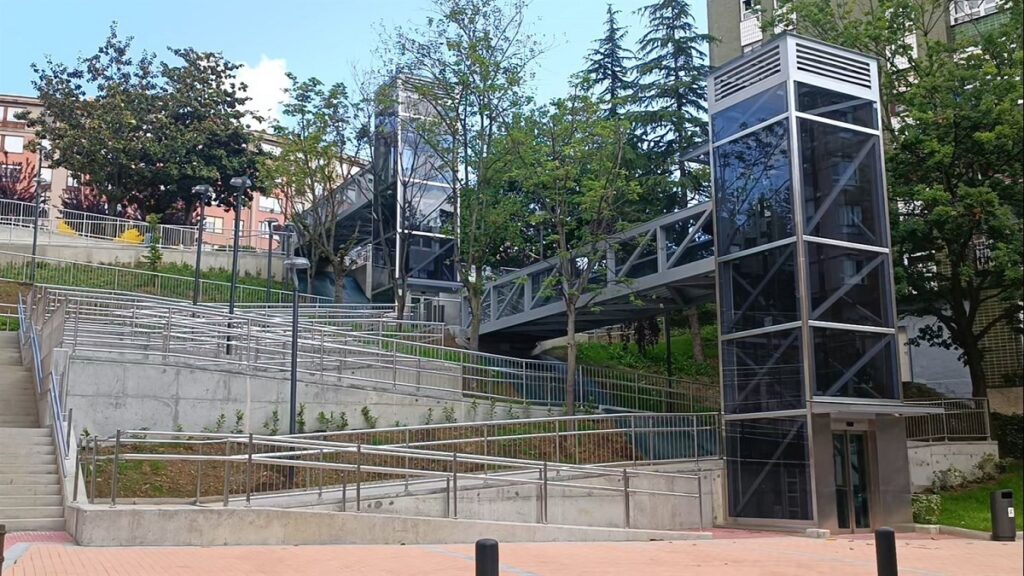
(19,167)
(737,24)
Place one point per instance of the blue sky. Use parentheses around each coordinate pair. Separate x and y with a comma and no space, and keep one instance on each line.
(323,38)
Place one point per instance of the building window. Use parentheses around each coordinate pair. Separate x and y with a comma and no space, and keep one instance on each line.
(10,173)
(749,8)
(966,10)
(47,174)
(12,113)
(14,144)
(214,224)
(72,180)
(982,253)
(270,204)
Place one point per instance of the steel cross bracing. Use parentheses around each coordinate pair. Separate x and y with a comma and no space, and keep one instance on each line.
(663,264)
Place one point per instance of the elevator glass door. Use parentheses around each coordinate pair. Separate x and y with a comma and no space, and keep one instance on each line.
(853,486)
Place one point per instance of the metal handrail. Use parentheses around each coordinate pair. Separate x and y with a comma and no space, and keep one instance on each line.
(371,468)
(538,381)
(961,419)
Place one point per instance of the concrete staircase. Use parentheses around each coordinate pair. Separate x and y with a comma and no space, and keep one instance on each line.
(30,490)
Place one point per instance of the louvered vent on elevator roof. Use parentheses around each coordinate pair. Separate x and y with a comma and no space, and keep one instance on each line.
(748,73)
(832,64)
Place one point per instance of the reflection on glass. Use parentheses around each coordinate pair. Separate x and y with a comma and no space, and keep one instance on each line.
(427,207)
(854,364)
(842,483)
(849,286)
(836,105)
(767,464)
(759,290)
(701,243)
(752,190)
(762,373)
(842,184)
(750,112)
(859,482)
(431,258)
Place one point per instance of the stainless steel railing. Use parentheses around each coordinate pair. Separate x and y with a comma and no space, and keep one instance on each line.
(962,419)
(233,469)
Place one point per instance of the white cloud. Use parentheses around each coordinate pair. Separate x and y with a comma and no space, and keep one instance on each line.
(266,87)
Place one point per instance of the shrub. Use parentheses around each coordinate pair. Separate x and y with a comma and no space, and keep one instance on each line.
(66,230)
(927,508)
(948,479)
(153,256)
(131,236)
(988,468)
(368,417)
(1008,430)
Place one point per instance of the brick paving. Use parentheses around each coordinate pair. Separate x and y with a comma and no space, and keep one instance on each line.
(769,555)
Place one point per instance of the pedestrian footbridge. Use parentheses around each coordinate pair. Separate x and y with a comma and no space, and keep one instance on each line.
(660,265)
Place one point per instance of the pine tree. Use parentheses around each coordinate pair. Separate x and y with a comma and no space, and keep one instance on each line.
(670,91)
(608,72)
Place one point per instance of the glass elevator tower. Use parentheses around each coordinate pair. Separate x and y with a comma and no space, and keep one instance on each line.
(810,382)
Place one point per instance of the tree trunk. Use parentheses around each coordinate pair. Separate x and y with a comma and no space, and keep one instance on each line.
(340,269)
(475,305)
(698,344)
(974,358)
(570,361)
(400,299)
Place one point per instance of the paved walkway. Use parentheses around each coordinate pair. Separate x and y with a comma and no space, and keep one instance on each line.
(766,555)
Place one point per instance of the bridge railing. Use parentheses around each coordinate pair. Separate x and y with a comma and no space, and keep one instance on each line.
(656,247)
(961,419)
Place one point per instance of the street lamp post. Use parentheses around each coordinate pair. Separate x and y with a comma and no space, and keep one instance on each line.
(35,209)
(205,193)
(270,223)
(293,265)
(240,183)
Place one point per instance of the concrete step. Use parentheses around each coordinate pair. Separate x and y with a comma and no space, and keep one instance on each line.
(21,490)
(34,524)
(26,440)
(30,501)
(8,468)
(32,512)
(19,421)
(31,479)
(13,452)
(26,459)
(19,433)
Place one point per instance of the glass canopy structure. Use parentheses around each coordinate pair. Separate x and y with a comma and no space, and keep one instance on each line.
(805,292)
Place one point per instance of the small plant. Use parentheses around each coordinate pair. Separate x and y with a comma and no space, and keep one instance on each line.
(323,422)
(510,412)
(368,417)
(448,414)
(430,417)
(273,424)
(493,410)
(179,428)
(153,256)
(397,424)
(474,406)
(131,236)
(341,423)
(989,467)
(926,507)
(948,479)
(66,230)
(239,426)
(218,425)
(300,419)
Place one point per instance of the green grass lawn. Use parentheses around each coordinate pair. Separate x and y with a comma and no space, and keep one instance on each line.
(969,507)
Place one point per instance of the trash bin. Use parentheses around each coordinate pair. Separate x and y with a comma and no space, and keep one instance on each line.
(1003,528)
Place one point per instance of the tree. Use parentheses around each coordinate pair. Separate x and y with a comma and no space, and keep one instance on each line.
(316,169)
(143,133)
(953,126)
(473,58)
(607,71)
(569,160)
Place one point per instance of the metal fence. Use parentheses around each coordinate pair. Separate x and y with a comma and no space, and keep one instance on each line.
(287,471)
(70,225)
(17,267)
(962,419)
(402,357)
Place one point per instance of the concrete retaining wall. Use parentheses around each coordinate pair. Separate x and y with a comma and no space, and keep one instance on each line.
(121,391)
(100,525)
(927,458)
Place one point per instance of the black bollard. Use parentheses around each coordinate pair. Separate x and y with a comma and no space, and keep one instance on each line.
(486,557)
(885,552)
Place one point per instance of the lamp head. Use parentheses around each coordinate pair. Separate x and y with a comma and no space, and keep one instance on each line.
(241,182)
(203,191)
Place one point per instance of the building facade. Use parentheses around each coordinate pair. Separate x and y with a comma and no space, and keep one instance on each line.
(19,166)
